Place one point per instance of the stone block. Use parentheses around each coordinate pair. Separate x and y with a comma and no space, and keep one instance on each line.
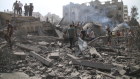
(20,55)
(54,55)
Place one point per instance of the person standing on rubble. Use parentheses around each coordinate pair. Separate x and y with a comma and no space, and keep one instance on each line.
(20,7)
(31,8)
(118,35)
(16,7)
(26,8)
(9,33)
(130,39)
(109,35)
(83,34)
(71,34)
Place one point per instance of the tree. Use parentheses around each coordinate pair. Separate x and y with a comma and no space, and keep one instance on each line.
(133,22)
(134,12)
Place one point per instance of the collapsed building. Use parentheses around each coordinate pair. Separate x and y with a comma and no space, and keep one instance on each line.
(95,11)
(39,51)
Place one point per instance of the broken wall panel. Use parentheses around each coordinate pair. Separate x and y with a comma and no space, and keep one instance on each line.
(40,58)
(88,63)
(30,48)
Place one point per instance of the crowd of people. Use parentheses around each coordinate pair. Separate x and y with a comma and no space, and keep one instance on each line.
(17,7)
(126,33)
(75,31)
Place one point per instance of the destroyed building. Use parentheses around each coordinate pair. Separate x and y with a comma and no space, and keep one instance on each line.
(96,11)
(39,52)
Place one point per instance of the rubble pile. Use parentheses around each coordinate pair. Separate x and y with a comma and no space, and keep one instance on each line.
(50,58)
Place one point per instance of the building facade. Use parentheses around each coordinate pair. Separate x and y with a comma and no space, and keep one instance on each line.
(93,11)
(125,13)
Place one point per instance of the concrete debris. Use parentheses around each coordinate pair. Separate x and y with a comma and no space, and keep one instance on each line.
(41,52)
(97,65)
(54,55)
(99,76)
(16,75)
(59,33)
(94,52)
(43,43)
(40,58)
(82,44)
(30,48)
(20,55)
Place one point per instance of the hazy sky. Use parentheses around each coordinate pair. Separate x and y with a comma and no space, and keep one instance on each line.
(56,6)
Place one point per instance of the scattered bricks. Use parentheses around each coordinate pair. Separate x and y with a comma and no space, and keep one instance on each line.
(20,55)
(54,55)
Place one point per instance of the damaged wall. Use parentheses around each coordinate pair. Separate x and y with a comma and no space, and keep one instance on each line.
(96,11)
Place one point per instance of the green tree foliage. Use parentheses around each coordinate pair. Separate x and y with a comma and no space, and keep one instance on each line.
(135,26)
(134,12)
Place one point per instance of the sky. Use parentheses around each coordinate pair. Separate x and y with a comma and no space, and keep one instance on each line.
(56,6)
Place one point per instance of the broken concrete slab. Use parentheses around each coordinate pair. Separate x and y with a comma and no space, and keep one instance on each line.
(2,46)
(100,37)
(52,44)
(108,75)
(106,49)
(20,55)
(59,33)
(42,43)
(82,44)
(16,75)
(98,65)
(40,58)
(93,51)
(75,73)
(54,55)
(30,48)
(46,38)
(135,73)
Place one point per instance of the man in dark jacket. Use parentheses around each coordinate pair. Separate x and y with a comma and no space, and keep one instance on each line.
(72,34)
(26,8)
(16,7)
(9,33)
(31,8)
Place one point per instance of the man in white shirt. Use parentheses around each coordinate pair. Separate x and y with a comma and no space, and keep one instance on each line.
(20,7)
